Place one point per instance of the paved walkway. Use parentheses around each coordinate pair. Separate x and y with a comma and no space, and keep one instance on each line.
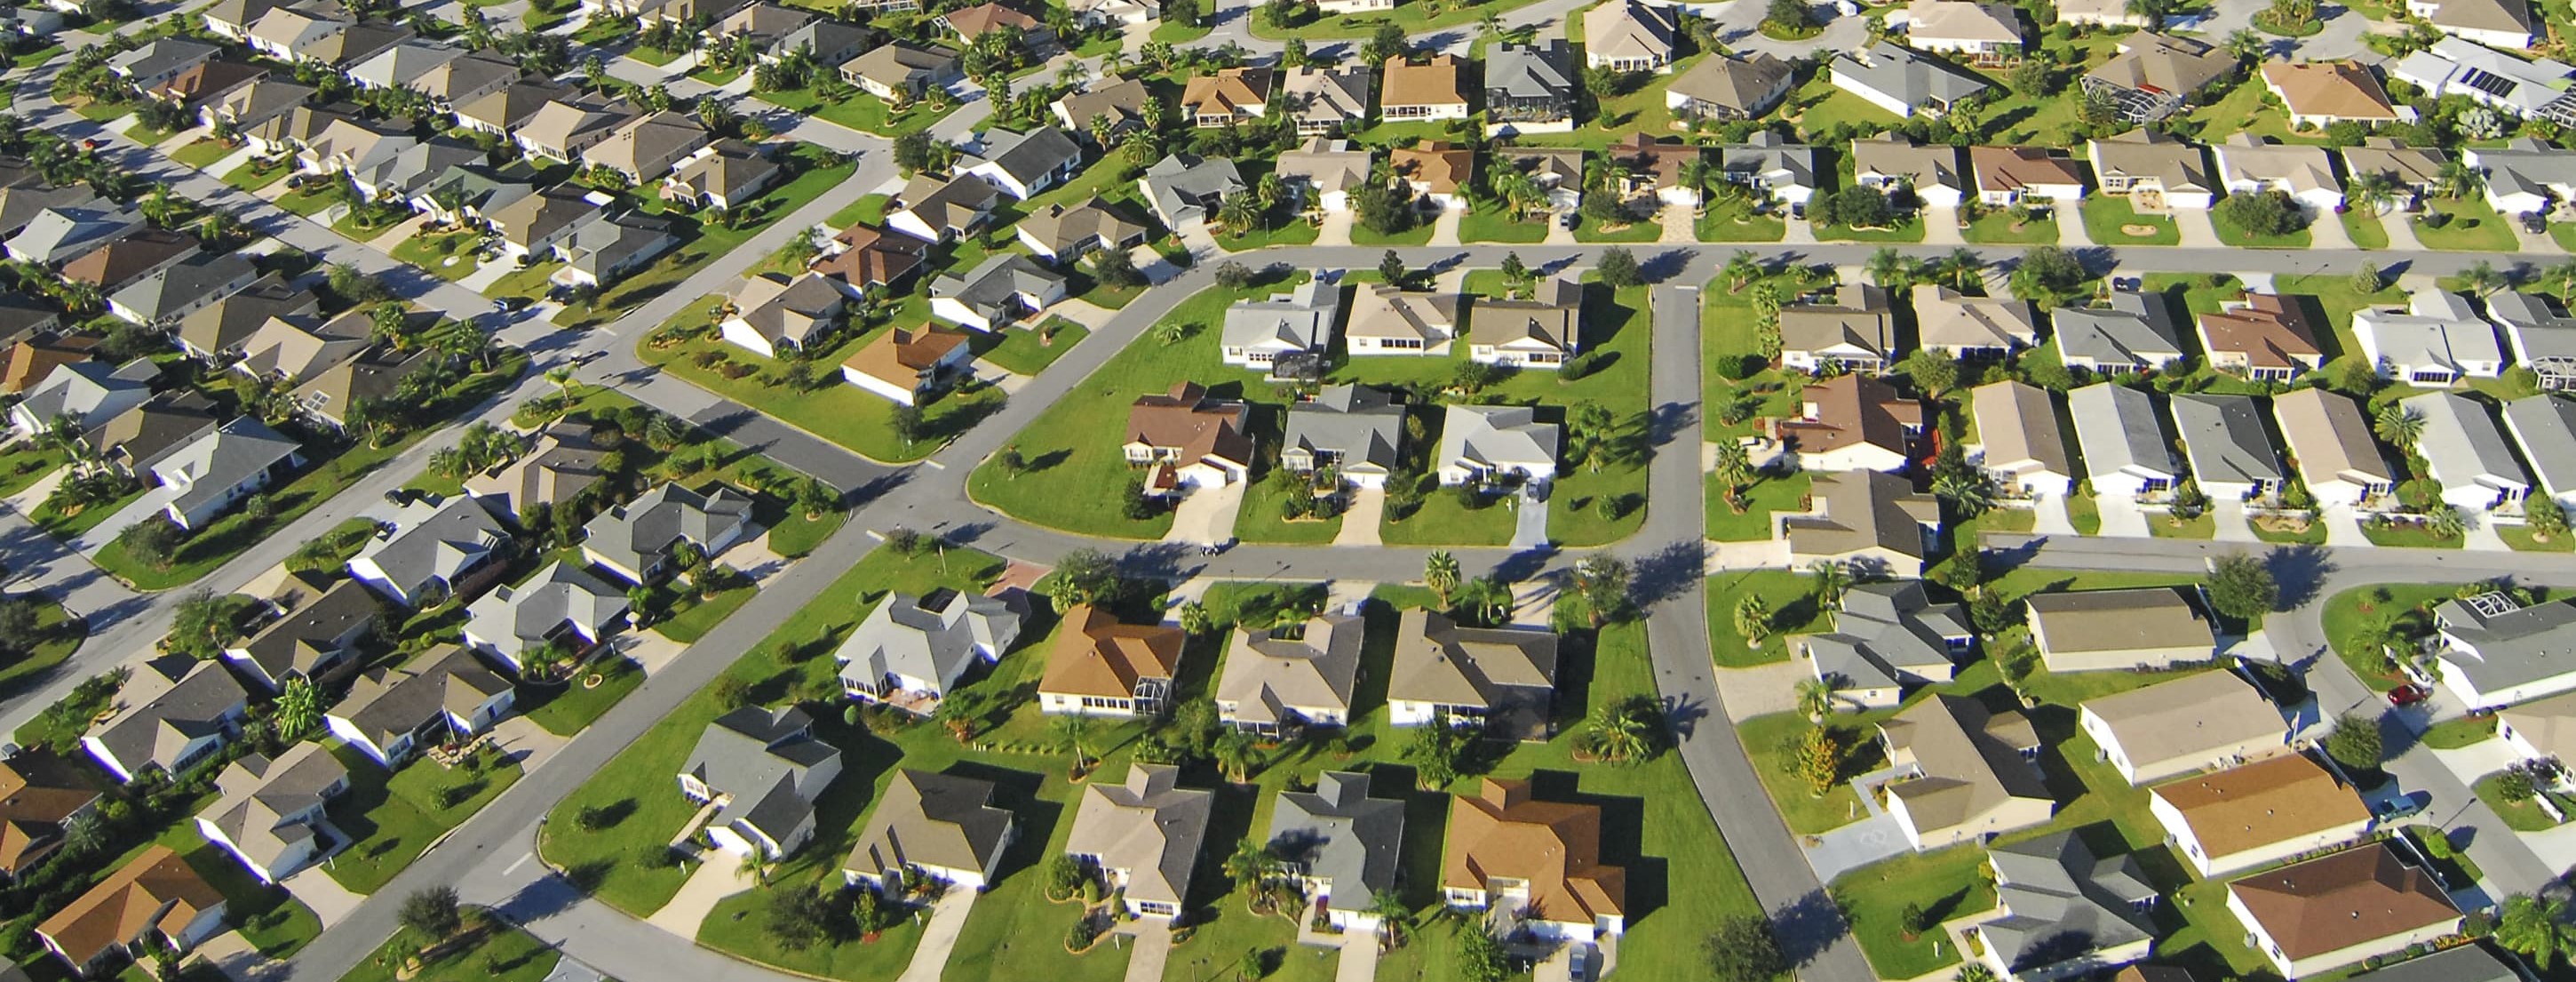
(718,877)
(939,936)
(1153,948)
(1444,227)
(1679,225)
(1336,230)
(1360,522)
(2197,232)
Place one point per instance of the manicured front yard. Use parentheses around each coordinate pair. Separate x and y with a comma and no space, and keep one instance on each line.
(2107,219)
(2356,619)
(1769,494)
(62,636)
(567,709)
(392,819)
(2520,816)
(490,952)
(1998,228)
(1732,221)
(2238,236)
(256,174)
(1794,609)
(2472,227)
(201,154)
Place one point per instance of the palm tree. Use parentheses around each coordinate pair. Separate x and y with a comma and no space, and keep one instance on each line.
(1832,578)
(757,865)
(299,710)
(2374,190)
(1615,734)
(1967,489)
(2246,46)
(2536,929)
(2481,278)
(1440,573)
(2565,274)
(1816,698)
(1887,266)
(1741,270)
(1235,754)
(1251,866)
(1753,619)
(1392,915)
(2446,522)
(1518,190)
(1735,470)
(1076,730)
(2458,180)
(2400,425)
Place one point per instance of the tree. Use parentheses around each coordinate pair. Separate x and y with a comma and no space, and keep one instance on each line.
(1932,373)
(1602,580)
(1816,757)
(20,627)
(1787,16)
(154,540)
(1390,268)
(299,710)
(2537,929)
(1518,272)
(1388,42)
(913,154)
(732,692)
(1734,468)
(1619,268)
(202,623)
(1440,573)
(2366,279)
(2399,424)
(1742,949)
(1479,957)
(1832,579)
(1623,730)
(2355,742)
(2546,519)
(350,284)
(1115,268)
(2048,274)
(2266,213)
(2481,278)
(1753,619)
(1815,698)
(907,424)
(2241,587)
(433,911)
(1083,576)
(1235,754)
(1969,490)
(798,918)
(1233,275)
(1435,752)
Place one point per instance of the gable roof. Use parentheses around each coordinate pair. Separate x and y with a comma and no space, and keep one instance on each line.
(298,642)
(2193,717)
(1553,848)
(931,819)
(2062,904)
(151,733)
(513,619)
(158,891)
(1506,437)
(933,637)
(2017,422)
(2225,438)
(1362,425)
(1337,833)
(1382,310)
(1903,75)
(1148,826)
(870,256)
(641,531)
(2340,89)
(2342,899)
(1944,316)
(1301,319)
(1441,81)
(2329,437)
(1861,510)
(758,757)
(1187,419)
(1509,671)
(2269,330)
(1858,316)
(1026,156)
(1969,758)
(1539,70)
(214,465)
(1744,85)
(262,800)
(1852,410)
(1096,655)
(900,356)
(1886,635)
(390,702)
(1268,674)
(1229,92)
(2117,620)
(442,543)
(2163,63)
(1926,165)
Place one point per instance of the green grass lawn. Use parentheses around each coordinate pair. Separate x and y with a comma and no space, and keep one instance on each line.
(253,176)
(1261,519)
(2350,615)
(1031,351)
(1770,741)
(1648,229)
(2105,217)
(1493,225)
(860,111)
(2409,537)
(1944,884)
(1733,221)
(448,256)
(1794,610)
(566,710)
(201,154)
(392,819)
(1419,234)
(2365,231)
(2520,816)
(1997,228)
(25,463)
(2232,234)
(1909,230)
(62,636)
(1770,493)
(1414,16)
(2521,539)
(494,952)
(269,918)
(2473,227)
(691,617)
(310,199)
(2452,734)
(1294,232)
(2172,527)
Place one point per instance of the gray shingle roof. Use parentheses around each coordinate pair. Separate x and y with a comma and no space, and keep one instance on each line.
(1148,826)
(2137,329)
(453,538)
(516,619)
(1888,634)
(2063,902)
(758,756)
(388,703)
(1339,834)
(643,531)
(934,637)
(934,820)
(1361,425)
(2226,440)
(2512,648)
(153,732)
(218,462)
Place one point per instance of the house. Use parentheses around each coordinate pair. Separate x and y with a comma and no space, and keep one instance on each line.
(61,234)
(2207,721)
(291,33)
(2126,452)
(2119,630)
(1628,36)
(2322,93)
(1541,861)
(1855,331)
(1903,82)
(1294,325)
(349,146)
(1501,679)
(268,812)
(911,649)
(1436,89)
(2156,172)
(436,554)
(21,204)
(2330,443)
(1987,31)
(399,66)
(908,366)
(1529,88)
(970,23)
(1023,164)
(1278,681)
(162,297)
(204,83)
(2263,336)
(1851,422)
(1353,431)
(646,148)
(2255,814)
(2020,444)
(2500,23)
(465,81)
(1963,772)
(1353,6)
(941,826)
(863,256)
(564,129)
(770,315)
(2526,176)
(606,251)
(112,266)
(40,795)
(1063,235)
(2544,427)
(2497,653)
(2467,453)
(2341,909)
(2155,75)
(155,899)
(2061,911)
(416,169)
(207,476)
(1101,667)
(2024,175)
(2535,88)
(1957,325)
(761,769)
(2247,164)
(2543,336)
(2466,963)
(557,469)
(192,717)
(723,175)
(1558,171)
(1341,845)
(1495,445)
(1003,288)
(2542,731)
(1187,439)
(1385,320)
(371,377)
(2438,340)
(155,62)
(469,195)
(503,110)
(1774,169)
(1887,637)
(1438,171)
(88,393)
(898,71)
(1144,835)
(1726,88)
(2136,333)
(765,25)
(1868,521)
(29,362)
(1929,172)
(2231,454)
(637,541)
(1656,168)
(532,226)
(1121,103)
(1325,100)
(564,610)
(1183,188)
(1232,95)
(34,22)
(1115,14)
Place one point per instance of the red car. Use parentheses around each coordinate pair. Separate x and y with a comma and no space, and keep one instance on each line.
(2408,695)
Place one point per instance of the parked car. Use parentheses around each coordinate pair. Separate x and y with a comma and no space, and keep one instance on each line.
(2408,695)
(2399,806)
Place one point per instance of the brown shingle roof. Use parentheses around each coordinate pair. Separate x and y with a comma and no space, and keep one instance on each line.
(1554,847)
(1852,410)
(2341,900)
(2261,803)
(900,356)
(2340,89)
(1439,166)
(1229,92)
(870,256)
(1188,419)
(2269,330)
(31,360)
(124,905)
(1095,655)
(111,265)
(1435,83)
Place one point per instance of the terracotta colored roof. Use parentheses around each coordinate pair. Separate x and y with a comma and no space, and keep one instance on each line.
(1852,409)
(30,361)
(124,905)
(2340,900)
(973,21)
(870,256)
(1230,92)
(1554,847)
(2269,330)
(900,356)
(32,811)
(1439,166)
(2261,803)
(1187,419)
(2340,89)
(1095,655)
(2014,168)
(1436,83)
(1664,160)
(111,265)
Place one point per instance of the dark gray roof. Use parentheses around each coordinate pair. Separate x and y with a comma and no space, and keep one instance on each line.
(1887,634)
(160,56)
(1362,424)
(1531,71)
(1029,156)
(2467,963)
(1176,186)
(644,530)
(2063,902)
(458,535)
(2135,329)
(926,637)
(1338,833)
(603,246)
(190,282)
(513,619)
(295,643)
(153,733)
(163,423)
(2225,437)
(991,288)
(757,754)
(931,819)
(2511,648)
(389,702)
(1907,76)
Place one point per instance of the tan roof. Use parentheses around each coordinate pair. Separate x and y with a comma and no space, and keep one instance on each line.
(2411,166)
(1969,758)
(2018,422)
(1944,316)
(1438,167)
(900,356)
(1380,310)
(133,256)
(1327,165)
(2328,436)
(1229,92)
(2276,800)
(2144,153)
(1554,848)
(1858,315)
(157,891)
(2117,620)
(1439,82)
(1959,20)
(2194,716)
(2157,63)
(2337,901)
(973,21)
(2483,15)
(2300,167)
(2268,329)
(1862,510)
(28,362)
(1626,29)
(1187,419)
(931,819)
(1928,165)
(2549,725)
(1552,317)
(1095,655)
(2340,89)
(1437,661)
(2016,168)
(1267,673)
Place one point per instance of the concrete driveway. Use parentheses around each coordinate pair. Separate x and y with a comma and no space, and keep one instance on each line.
(1529,528)
(1206,515)
(1360,521)
(2048,516)
(2343,526)
(939,936)
(718,877)
(2122,516)
(2228,514)
(1151,950)
(1444,226)
(232,954)
(1872,839)
(2481,534)
(330,901)
(1762,689)
(1359,958)
(526,742)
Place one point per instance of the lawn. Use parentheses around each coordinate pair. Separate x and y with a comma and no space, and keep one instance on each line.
(2520,816)
(1648,229)
(1770,493)
(26,463)
(1419,234)
(1997,228)
(2453,734)
(1414,16)
(2168,526)
(2521,539)
(1491,225)
(1908,231)
(567,709)
(2105,216)
(2234,235)
(1791,598)
(1733,221)
(392,819)
(311,199)
(494,952)
(255,175)
(1293,232)
(1262,519)
(62,634)
(2473,227)
(860,111)
(2408,537)
(1028,352)
(2365,231)
(1944,884)
(201,154)
(2353,617)
(449,256)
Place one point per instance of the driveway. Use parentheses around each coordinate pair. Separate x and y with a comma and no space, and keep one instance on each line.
(98,537)
(1206,515)
(330,901)
(1762,689)
(232,954)
(2048,516)
(2343,526)
(1941,226)
(2229,516)
(1529,529)
(526,742)
(1872,839)
(718,877)
(2122,516)
(2481,534)
(2197,232)
(947,918)
(1360,521)
(1359,958)
(1336,230)
(1679,225)
(1444,227)
(1152,949)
